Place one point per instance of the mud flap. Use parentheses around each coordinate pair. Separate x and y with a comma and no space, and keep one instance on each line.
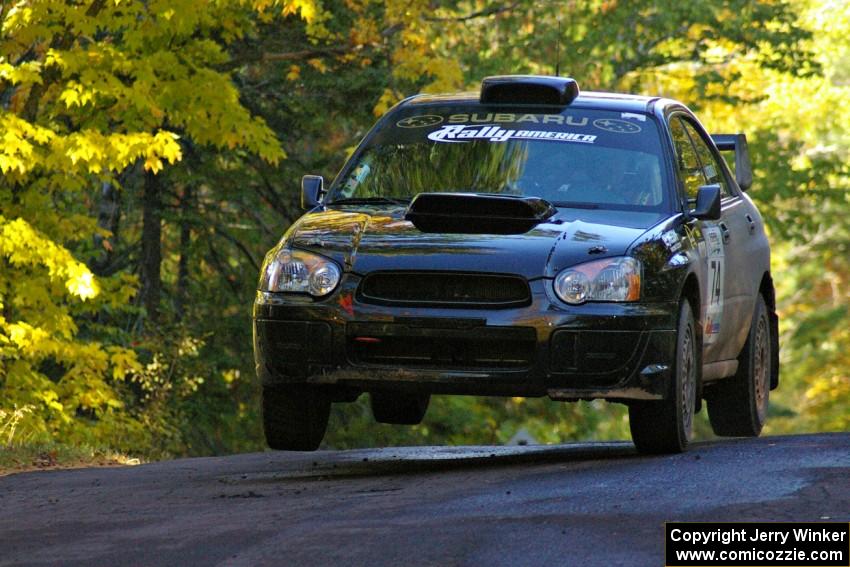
(774,350)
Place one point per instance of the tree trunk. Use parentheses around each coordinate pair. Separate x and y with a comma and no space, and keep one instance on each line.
(108,217)
(182,293)
(151,246)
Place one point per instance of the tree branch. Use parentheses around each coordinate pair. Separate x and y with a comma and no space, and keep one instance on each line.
(310,53)
(221,269)
(316,52)
(241,247)
(486,12)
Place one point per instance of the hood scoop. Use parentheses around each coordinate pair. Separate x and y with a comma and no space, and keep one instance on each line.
(474,213)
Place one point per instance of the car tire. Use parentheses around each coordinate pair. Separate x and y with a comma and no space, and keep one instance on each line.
(399,408)
(295,417)
(737,406)
(666,426)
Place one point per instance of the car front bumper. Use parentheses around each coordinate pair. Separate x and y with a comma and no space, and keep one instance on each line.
(596,350)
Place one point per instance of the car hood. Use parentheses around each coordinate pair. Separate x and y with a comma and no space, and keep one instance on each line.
(367,239)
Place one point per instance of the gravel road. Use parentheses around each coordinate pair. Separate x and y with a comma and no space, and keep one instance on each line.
(575,504)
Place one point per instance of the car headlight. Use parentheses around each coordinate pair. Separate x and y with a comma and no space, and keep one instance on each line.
(297,271)
(611,279)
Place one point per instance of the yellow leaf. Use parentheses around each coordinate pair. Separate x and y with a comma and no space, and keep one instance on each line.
(318,65)
(153,164)
(70,97)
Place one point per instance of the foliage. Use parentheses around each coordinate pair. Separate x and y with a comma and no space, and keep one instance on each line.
(49,455)
(9,421)
(816,294)
(481,421)
(797,125)
(90,89)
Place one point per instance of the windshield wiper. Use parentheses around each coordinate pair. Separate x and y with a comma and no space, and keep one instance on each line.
(370,201)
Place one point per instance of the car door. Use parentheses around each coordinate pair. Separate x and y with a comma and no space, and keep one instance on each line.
(738,230)
(726,298)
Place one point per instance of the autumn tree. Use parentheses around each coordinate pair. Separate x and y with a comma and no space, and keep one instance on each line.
(94,92)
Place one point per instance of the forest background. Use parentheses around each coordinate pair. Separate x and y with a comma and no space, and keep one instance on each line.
(151,152)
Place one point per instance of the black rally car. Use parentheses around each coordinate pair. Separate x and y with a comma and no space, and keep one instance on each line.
(524,240)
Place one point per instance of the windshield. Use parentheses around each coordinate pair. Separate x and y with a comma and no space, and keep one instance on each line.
(582,158)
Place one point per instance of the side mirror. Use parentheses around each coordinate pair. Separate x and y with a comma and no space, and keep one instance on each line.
(708,203)
(312,189)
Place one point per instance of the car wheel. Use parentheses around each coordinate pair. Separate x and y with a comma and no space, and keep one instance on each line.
(295,417)
(666,426)
(399,408)
(737,406)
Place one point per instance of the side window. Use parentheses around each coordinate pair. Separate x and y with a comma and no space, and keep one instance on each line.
(710,167)
(690,169)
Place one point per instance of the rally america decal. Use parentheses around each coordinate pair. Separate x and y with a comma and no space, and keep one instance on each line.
(460,133)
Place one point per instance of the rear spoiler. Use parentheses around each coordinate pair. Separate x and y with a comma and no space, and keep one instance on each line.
(743,167)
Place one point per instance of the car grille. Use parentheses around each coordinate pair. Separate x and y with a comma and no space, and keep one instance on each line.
(446,289)
(415,345)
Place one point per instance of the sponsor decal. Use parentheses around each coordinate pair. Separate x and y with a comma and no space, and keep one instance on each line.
(459,133)
(671,239)
(422,121)
(640,117)
(716,268)
(510,118)
(618,126)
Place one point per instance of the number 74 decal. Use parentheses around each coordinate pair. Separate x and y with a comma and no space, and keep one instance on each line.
(716,265)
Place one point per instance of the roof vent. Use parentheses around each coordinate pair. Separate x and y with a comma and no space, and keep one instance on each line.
(528,89)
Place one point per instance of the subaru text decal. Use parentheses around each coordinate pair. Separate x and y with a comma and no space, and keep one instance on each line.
(501,117)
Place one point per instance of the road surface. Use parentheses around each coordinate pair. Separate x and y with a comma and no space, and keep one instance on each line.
(577,504)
